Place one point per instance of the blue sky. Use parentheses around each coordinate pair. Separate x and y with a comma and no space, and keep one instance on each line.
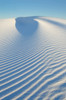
(19,8)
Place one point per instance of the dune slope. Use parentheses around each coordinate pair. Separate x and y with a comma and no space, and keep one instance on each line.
(33,58)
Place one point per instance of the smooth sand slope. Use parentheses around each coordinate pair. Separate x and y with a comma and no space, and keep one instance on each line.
(33,58)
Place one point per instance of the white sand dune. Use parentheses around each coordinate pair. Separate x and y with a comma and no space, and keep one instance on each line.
(33,58)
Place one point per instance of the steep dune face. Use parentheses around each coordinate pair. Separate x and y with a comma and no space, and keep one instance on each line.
(33,58)
(26,26)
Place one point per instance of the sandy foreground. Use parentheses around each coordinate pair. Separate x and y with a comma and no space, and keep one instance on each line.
(33,58)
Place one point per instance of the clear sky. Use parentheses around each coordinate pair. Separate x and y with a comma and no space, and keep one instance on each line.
(19,8)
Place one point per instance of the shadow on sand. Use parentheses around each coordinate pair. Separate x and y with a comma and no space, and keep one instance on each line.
(56,23)
(26,25)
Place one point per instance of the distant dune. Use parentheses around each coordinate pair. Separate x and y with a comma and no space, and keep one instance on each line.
(33,58)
